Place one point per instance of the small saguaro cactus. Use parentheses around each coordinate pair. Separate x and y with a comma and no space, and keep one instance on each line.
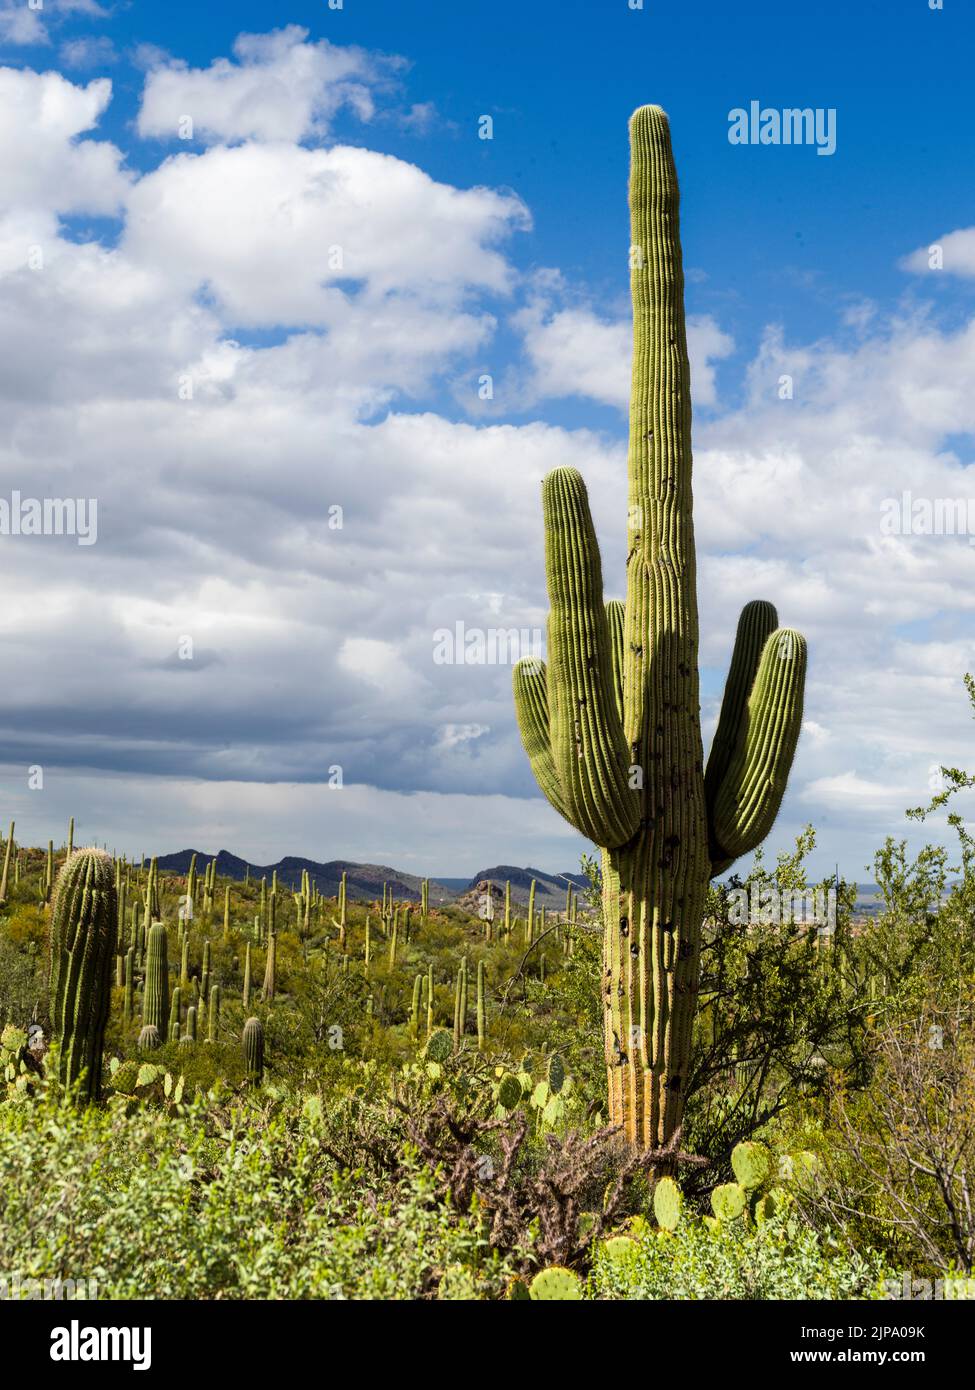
(612,727)
(481,1008)
(128,997)
(155,1009)
(6,865)
(267,992)
(415,1006)
(213,1014)
(84,929)
(252,1041)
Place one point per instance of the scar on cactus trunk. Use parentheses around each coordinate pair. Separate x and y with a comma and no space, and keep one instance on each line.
(612,726)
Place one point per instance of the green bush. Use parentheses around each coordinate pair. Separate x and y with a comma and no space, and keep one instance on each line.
(200,1201)
(779,1258)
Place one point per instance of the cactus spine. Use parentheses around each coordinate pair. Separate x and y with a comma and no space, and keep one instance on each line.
(155,1006)
(612,727)
(84,928)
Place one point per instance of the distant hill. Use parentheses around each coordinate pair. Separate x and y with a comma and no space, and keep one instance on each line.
(549,888)
(363,881)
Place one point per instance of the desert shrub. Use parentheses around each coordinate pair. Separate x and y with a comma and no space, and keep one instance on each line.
(23,976)
(779,1258)
(899,1156)
(199,1201)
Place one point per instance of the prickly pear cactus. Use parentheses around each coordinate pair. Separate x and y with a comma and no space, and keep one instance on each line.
(555,1283)
(439,1046)
(667,1204)
(728,1201)
(509,1091)
(752,1164)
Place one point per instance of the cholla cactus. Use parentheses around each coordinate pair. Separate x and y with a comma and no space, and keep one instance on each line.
(612,727)
(84,927)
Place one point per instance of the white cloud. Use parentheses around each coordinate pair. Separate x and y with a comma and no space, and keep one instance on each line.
(25,26)
(574,352)
(88,52)
(51,170)
(957,250)
(281,88)
(283,235)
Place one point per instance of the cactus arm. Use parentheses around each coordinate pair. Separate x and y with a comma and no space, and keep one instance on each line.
(588,748)
(751,790)
(757,622)
(616,622)
(531,710)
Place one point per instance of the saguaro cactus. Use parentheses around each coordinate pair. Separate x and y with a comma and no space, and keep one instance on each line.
(252,1040)
(156,1003)
(612,726)
(84,928)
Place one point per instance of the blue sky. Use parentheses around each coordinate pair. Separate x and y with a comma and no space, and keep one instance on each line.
(796,262)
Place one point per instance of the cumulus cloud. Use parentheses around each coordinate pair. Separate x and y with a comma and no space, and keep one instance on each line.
(28,27)
(220,384)
(57,172)
(572,351)
(280,87)
(282,235)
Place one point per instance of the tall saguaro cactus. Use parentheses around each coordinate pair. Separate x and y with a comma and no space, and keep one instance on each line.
(612,726)
(84,928)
